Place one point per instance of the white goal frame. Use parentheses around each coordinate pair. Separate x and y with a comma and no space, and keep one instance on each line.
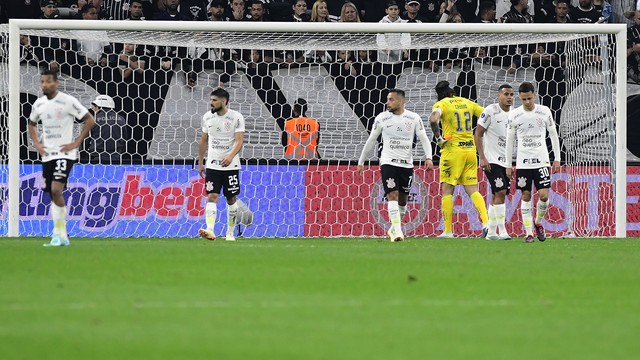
(619,168)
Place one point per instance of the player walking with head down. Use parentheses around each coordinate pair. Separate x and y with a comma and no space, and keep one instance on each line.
(398,127)
(222,138)
(490,138)
(57,112)
(529,124)
(458,162)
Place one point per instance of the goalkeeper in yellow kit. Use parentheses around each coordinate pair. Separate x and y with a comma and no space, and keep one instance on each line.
(458,161)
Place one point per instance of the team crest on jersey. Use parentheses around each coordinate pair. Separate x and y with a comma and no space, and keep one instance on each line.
(209,185)
(407,126)
(227,126)
(499,183)
(540,122)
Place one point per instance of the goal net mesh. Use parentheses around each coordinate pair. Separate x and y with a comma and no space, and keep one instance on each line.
(138,178)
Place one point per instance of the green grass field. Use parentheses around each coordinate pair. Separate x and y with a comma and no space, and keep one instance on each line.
(320,299)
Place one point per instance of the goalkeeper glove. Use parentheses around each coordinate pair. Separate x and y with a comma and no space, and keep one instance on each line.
(441,141)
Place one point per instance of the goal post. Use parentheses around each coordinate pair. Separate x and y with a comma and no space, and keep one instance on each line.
(610,88)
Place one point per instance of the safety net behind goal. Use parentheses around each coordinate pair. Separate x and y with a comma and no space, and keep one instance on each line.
(137,175)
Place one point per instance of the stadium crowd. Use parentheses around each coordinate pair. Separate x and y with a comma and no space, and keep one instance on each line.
(135,76)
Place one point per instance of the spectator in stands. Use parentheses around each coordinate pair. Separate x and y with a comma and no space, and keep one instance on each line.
(488,12)
(49,9)
(12,9)
(300,11)
(562,12)
(120,9)
(428,10)
(364,56)
(171,12)
(104,13)
(349,13)
(584,13)
(468,10)
(604,10)
(216,10)
(90,52)
(258,11)
(301,134)
(633,50)
(129,62)
(238,11)
(389,43)
(518,13)
(544,11)
(503,6)
(456,18)
(195,10)
(446,11)
(27,54)
(319,12)
(74,7)
(343,66)
(279,10)
(110,133)
(411,13)
(136,10)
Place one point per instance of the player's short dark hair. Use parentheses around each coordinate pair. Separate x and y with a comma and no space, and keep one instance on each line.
(504,86)
(53,73)
(568,2)
(300,107)
(221,93)
(526,87)
(443,89)
(400,92)
(391,3)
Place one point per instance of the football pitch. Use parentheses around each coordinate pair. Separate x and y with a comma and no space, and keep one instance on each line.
(320,299)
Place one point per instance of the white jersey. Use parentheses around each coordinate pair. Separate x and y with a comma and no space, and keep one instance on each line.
(222,135)
(57,117)
(397,132)
(495,122)
(530,128)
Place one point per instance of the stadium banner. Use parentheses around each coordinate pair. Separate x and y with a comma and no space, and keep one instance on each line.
(342,202)
(158,201)
(294,201)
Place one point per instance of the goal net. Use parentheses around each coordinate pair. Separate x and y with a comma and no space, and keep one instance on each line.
(137,176)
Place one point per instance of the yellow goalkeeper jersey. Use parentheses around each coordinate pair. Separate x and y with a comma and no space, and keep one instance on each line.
(457,122)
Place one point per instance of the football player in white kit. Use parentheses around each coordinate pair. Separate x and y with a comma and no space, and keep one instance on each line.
(398,127)
(529,124)
(57,112)
(222,138)
(490,138)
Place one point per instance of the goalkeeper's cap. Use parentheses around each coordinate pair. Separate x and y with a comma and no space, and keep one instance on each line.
(104,101)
